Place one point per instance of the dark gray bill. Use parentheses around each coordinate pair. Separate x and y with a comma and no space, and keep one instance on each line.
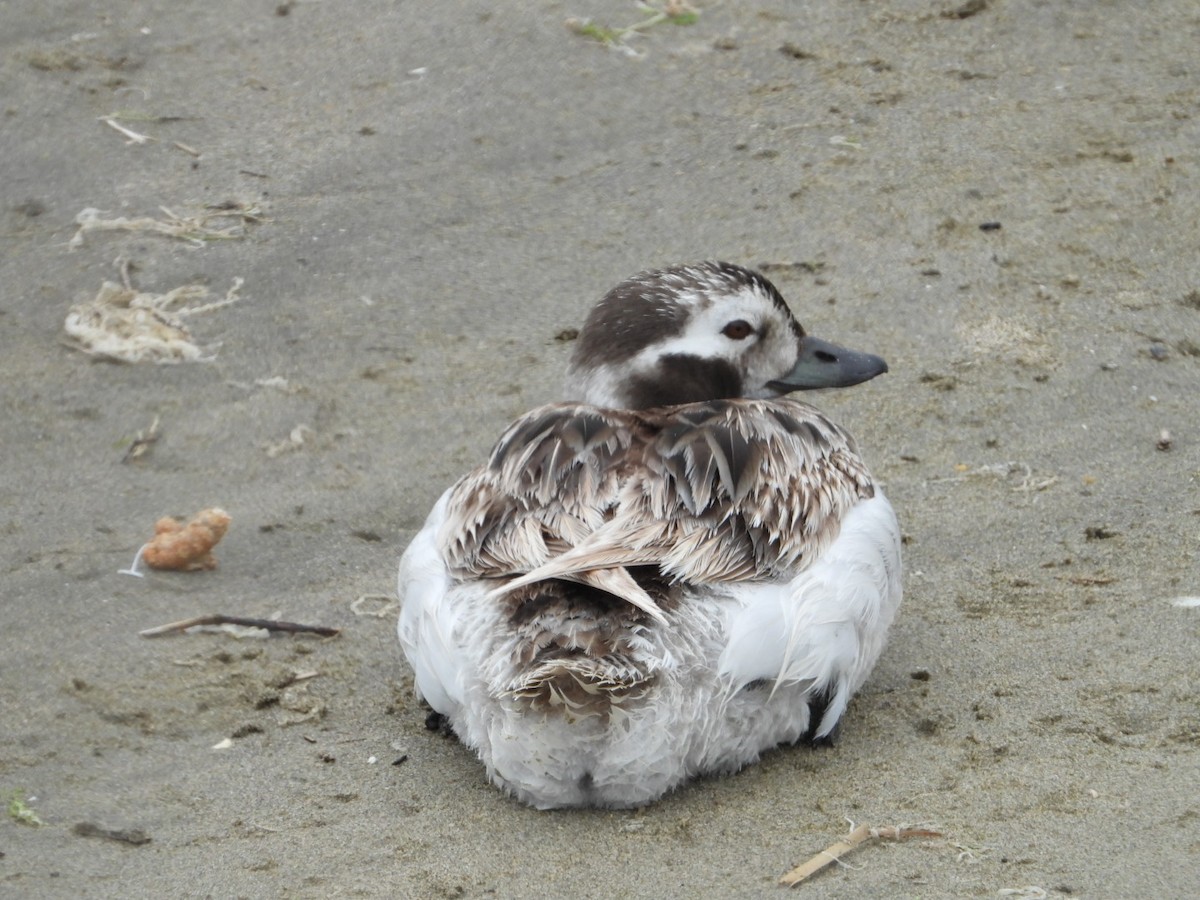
(825,365)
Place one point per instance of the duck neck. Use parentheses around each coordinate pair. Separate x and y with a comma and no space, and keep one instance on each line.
(679,379)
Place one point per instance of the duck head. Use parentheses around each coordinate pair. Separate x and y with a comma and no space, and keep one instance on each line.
(709,331)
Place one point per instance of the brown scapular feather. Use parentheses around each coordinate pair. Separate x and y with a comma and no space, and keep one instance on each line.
(717,491)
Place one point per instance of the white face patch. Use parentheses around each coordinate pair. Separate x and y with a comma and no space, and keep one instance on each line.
(682,335)
(763,356)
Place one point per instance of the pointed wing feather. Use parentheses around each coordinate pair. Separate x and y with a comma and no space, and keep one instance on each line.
(552,479)
(725,491)
(614,580)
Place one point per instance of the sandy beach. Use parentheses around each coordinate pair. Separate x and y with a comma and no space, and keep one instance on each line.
(412,204)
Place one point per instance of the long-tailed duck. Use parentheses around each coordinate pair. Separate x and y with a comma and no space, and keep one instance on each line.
(675,570)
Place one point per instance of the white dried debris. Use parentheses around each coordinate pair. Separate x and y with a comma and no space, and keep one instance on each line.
(296,439)
(197,229)
(130,326)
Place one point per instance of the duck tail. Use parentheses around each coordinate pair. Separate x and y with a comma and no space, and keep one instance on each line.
(572,646)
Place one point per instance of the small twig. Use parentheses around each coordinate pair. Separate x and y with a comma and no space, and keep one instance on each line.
(133,136)
(142,442)
(1036,484)
(267,624)
(133,836)
(854,839)
(125,266)
(258,827)
(1088,580)
(297,677)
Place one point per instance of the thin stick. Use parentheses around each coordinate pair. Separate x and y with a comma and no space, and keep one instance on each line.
(854,839)
(133,136)
(142,442)
(268,624)
(829,855)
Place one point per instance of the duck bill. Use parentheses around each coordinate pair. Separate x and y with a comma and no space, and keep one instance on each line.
(825,365)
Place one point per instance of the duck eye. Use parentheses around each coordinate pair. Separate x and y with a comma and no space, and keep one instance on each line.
(738,330)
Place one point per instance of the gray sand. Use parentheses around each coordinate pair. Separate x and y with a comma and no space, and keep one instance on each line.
(449,186)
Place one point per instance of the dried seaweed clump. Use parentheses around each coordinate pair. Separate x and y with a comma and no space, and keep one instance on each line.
(186,548)
(195,229)
(129,326)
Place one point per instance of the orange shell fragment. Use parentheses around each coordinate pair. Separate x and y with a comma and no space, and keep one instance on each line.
(186,548)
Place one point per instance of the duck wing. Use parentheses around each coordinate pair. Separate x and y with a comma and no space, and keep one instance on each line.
(553,479)
(728,490)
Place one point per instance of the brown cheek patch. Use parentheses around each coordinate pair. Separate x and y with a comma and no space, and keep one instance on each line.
(686,379)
